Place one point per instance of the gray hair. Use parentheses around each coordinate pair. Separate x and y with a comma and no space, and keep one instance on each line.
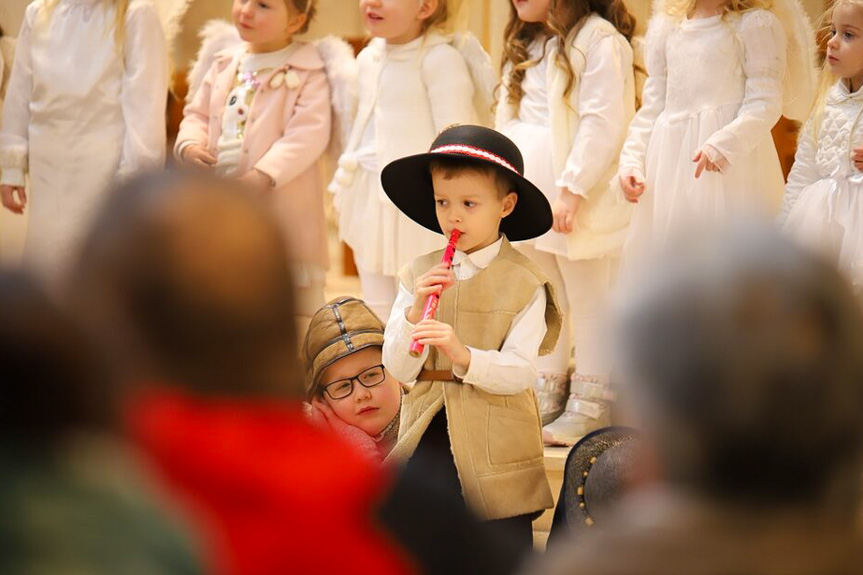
(744,357)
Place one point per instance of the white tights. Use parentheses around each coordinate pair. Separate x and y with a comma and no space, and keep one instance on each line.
(583,288)
(379,292)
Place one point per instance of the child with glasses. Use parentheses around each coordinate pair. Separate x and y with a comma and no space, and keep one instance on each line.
(348,387)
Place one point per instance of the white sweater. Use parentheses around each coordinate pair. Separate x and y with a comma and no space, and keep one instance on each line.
(840,131)
(588,131)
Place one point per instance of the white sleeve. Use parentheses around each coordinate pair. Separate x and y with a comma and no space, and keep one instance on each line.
(512,369)
(602,107)
(652,98)
(449,86)
(14,138)
(397,341)
(145,90)
(763,41)
(804,171)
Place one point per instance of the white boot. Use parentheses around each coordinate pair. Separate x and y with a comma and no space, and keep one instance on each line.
(587,409)
(551,391)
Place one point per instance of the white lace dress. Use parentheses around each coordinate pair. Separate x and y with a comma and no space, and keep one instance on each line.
(823,207)
(76,116)
(714,81)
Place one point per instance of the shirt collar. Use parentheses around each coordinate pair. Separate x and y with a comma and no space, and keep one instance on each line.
(480,258)
(262,60)
(412,48)
(840,93)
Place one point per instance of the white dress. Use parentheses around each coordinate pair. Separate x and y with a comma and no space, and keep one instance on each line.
(76,116)
(407,94)
(823,206)
(531,132)
(603,114)
(713,81)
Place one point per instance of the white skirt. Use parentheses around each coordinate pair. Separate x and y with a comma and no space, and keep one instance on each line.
(72,168)
(674,200)
(535,143)
(382,238)
(828,218)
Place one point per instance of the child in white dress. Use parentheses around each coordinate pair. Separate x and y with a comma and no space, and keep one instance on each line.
(568,111)
(85,103)
(700,150)
(414,81)
(822,206)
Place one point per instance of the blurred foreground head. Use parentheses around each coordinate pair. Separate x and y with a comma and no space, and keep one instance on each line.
(52,383)
(744,357)
(185,281)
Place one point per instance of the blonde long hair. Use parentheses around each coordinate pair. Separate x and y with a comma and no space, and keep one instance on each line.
(122,6)
(828,78)
(566,17)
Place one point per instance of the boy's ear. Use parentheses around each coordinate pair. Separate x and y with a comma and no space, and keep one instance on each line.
(428,8)
(509,202)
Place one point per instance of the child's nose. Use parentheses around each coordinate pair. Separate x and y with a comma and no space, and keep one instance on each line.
(362,393)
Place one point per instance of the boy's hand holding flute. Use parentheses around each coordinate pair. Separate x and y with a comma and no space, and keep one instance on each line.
(429,331)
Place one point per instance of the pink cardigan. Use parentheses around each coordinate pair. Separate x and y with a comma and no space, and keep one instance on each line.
(287,131)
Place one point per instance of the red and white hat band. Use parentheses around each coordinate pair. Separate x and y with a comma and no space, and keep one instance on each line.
(476,153)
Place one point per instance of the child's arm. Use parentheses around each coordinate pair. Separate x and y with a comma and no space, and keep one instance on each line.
(449,86)
(406,313)
(398,336)
(305,136)
(803,173)
(508,371)
(195,126)
(652,102)
(16,110)
(512,369)
(144,91)
(601,103)
(763,42)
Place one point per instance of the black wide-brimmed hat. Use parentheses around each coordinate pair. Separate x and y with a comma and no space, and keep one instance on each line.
(408,183)
(598,471)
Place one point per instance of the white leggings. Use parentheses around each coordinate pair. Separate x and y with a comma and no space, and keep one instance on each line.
(583,288)
(379,292)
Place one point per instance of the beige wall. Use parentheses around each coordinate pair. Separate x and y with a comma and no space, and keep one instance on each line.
(11,13)
(342,18)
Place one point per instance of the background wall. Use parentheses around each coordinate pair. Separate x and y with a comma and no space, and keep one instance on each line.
(486,19)
(342,18)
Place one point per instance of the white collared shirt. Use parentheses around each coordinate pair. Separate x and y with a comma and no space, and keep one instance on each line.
(508,371)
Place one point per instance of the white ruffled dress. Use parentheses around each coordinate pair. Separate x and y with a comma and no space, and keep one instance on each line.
(823,206)
(714,81)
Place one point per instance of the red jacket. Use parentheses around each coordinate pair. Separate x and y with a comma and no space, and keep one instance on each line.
(271,493)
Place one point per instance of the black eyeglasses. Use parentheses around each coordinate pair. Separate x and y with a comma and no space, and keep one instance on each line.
(343,388)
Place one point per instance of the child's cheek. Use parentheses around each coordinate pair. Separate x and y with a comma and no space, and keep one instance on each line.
(343,409)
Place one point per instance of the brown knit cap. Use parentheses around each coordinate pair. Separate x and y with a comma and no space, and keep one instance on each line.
(343,326)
